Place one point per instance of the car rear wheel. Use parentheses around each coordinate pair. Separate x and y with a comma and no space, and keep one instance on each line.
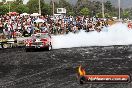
(49,47)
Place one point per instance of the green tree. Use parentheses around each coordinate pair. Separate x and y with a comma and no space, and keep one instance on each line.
(79,5)
(84,11)
(93,6)
(22,8)
(64,4)
(71,13)
(130,12)
(4,9)
(126,14)
(33,5)
(99,15)
(107,15)
(46,9)
(17,2)
(108,6)
(12,6)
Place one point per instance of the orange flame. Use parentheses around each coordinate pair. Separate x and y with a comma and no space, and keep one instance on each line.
(81,71)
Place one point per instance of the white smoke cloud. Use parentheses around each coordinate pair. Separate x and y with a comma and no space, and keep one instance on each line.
(117,34)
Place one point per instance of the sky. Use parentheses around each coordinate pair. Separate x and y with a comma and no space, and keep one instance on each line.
(25,1)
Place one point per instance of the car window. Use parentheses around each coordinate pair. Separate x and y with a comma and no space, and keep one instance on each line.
(40,36)
(44,36)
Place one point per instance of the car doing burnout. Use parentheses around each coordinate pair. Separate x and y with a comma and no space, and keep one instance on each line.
(39,40)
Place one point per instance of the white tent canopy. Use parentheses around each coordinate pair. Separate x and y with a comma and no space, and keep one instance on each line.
(35,14)
(24,14)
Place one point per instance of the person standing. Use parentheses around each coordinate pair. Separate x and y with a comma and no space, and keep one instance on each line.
(43,28)
(1,30)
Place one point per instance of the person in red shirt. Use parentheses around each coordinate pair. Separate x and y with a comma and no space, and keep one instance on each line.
(130,25)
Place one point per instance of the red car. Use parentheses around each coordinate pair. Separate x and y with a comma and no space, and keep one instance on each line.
(39,40)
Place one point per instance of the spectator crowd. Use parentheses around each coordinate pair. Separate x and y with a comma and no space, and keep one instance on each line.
(15,25)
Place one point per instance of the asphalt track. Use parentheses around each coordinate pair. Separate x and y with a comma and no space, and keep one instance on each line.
(58,68)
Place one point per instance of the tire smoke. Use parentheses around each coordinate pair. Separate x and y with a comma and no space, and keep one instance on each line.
(117,34)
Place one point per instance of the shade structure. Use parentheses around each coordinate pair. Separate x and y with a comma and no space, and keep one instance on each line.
(35,14)
(24,14)
(13,13)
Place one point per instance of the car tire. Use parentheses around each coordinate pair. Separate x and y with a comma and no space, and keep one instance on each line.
(49,47)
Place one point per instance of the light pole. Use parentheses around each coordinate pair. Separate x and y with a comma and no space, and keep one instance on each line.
(39,7)
(53,7)
(119,3)
(9,7)
(103,9)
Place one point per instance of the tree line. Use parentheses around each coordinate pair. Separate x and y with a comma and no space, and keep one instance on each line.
(82,7)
